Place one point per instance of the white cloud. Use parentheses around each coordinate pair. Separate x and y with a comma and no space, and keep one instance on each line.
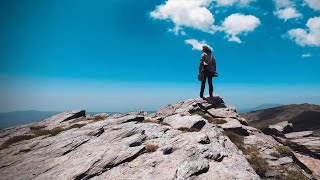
(287,13)
(314,4)
(186,13)
(196,45)
(309,37)
(283,3)
(306,55)
(236,24)
(233,2)
(285,9)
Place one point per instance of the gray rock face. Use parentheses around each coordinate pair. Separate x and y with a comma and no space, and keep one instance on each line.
(284,127)
(279,129)
(295,135)
(179,144)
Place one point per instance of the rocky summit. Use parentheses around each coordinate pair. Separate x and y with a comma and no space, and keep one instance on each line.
(192,139)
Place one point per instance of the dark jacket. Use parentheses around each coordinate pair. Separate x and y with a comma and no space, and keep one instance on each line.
(207,60)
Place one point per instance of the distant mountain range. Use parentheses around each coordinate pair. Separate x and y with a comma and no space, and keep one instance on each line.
(14,118)
(302,116)
(260,107)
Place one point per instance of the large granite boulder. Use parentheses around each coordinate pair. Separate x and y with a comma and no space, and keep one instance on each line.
(178,143)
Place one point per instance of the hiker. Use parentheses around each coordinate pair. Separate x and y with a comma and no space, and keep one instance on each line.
(207,70)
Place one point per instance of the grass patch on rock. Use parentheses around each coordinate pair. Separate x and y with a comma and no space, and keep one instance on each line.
(55,131)
(98,118)
(151,148)
(275,154)
(185,129)
(15,139)
(284,151)
(217,121)
(237,139)
(36,127)
(155,121)
(259,164)
(37,131)
(292,175)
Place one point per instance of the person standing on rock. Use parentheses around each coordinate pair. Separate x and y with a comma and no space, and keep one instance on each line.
(207,70)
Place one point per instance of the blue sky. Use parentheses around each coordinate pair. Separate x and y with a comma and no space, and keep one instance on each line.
(123,55)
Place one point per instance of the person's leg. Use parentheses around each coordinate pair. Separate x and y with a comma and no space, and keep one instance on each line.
(203,84)
(210,85)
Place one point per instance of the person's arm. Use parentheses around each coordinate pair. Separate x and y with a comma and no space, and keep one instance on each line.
(201,62)
(214,64)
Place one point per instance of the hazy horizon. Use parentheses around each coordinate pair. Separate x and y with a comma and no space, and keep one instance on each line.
(108,56)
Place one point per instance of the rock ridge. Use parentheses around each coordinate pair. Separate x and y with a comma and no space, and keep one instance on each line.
(192,139)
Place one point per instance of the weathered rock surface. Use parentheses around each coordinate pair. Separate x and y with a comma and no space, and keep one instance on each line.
(177,143)
(295,135)
(312,164)
(187,140)
(279,129)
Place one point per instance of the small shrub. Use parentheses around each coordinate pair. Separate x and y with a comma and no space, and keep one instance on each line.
(275,154)
(51,132)
(237,139)
(259,164)
(15,139)
(98,118)
(292,175)
(75,126)
(252,150)
(155,121)
(185,129)
(151,148)
(36,127)
(284,151)
(219,121)
(148,121)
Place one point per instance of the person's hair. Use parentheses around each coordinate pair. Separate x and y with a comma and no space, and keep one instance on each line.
(206,49)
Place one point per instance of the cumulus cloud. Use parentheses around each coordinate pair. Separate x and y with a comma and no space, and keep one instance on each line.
(237,24)
(196,45)
(306,55)
(314,4)
(308,37)
(233,2)
(283,3)
(195,14)
(186,13)
(287,13)
(285,9)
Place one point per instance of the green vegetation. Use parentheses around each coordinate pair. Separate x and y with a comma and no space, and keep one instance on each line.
(15,139)
(98,118)
(219,121)
(75,126)
(284,151)
(55,131)
(292,175)
(151,148)
(36,127)
(155,121)
(185,129)
(37,131)
(237,139)
(259,164)
(275,154)
(148,121)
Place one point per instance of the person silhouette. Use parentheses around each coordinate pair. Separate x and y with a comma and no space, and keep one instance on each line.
(208,68)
